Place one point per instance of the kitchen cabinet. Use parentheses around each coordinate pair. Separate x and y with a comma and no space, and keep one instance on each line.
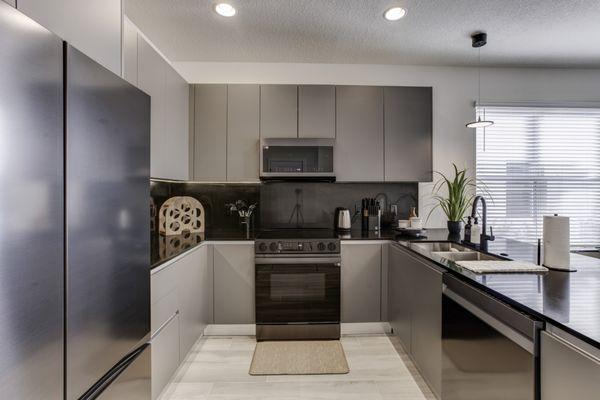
(210,133)
(130,52)
(165,355)
(359,138)
(415,309)
(233,271)
(361,282)
(243,135)
(175,138)
(569,368)
(195,291)
(408,134)
(93,27)
(278,111)
(316,111)
(11,2)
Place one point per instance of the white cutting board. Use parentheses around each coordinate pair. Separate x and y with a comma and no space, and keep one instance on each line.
(493,266)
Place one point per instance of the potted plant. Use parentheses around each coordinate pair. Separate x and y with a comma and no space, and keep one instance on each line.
(458,199)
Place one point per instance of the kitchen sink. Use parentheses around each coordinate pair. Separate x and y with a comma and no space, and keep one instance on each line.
(451,251)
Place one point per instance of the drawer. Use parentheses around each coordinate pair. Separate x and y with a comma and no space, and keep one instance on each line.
(165,356)
(163,282)
(163,309)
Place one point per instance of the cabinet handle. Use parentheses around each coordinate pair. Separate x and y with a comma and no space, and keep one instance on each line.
(164,324)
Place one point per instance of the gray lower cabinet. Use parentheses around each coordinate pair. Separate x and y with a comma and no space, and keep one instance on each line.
(233,271)
(210,133)
(278,111)
(316,111)
(359,138)
(243,135)
(361,282)
(408,134)
(11,2)
(165,355)
(568,371)
(415,310)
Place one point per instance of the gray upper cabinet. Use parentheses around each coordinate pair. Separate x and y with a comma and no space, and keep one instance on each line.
(210,133)
(359,137)
(93,27)
(278,111)
(568,371)
(316,111)
(243,132)
(408,134)
(130,52)
(233,270)
(152,80)
(361,282)
(175,138)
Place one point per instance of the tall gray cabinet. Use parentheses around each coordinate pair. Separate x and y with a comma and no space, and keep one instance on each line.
(243,110)
(408,130)
(359,139)
(210,133)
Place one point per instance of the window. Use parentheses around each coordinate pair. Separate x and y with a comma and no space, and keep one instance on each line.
(540,161)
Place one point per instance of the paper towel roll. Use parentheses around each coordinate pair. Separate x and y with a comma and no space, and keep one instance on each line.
(557,243)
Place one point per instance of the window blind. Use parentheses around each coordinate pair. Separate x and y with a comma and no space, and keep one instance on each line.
(537,161)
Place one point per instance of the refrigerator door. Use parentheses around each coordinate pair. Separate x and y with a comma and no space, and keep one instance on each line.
(31,209)
(107,222)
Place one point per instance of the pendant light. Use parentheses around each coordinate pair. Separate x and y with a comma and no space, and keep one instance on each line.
(478,40)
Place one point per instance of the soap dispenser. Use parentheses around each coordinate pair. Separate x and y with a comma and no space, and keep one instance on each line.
(476,232)
(468,230)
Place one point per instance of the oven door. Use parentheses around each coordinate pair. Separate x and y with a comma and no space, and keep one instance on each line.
(306,159)
(297,291)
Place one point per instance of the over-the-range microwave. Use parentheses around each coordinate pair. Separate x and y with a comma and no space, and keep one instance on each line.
(297,159)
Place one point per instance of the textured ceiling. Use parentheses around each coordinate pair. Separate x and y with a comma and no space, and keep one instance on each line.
(553,33)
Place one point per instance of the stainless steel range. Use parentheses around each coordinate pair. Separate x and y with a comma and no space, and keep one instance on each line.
(297,285)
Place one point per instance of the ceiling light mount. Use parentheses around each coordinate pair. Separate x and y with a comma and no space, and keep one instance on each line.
(478,39)
(394,13)
(225,9)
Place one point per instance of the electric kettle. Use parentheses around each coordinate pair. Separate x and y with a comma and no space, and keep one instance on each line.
(341,219)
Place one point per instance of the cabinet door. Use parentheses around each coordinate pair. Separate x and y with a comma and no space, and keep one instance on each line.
(130,52)
(426,315)
(359,135)
(316,111)
(11,2)
(174,147)
(233,283)
(408,134)
(93,27)
(152,80)
(193,289)
(361,282)
(278,111)
(568,372)
(210,133)
(165,355)
(243,111)
(400,295)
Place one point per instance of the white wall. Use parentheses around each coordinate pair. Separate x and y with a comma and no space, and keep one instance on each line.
(454,93)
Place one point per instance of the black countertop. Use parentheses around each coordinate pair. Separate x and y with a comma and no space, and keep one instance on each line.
(569,300)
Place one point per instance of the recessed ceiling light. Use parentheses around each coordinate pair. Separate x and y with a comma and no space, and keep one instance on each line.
(225,10)
(394,13)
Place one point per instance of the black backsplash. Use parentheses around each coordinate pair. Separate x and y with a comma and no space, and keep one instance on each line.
(284,204)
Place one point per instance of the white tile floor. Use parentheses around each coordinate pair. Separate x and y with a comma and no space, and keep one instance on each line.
(217,368)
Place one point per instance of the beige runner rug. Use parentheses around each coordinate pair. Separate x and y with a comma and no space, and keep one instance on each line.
(299,358)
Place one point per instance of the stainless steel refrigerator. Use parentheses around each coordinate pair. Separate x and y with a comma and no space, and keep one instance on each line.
(74,222)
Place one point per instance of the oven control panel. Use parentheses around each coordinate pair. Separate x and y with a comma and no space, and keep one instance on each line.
(321,246)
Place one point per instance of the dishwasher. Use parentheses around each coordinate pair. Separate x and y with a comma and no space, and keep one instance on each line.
(490,351)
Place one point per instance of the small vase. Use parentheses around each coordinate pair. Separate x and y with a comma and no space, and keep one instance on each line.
(455,227)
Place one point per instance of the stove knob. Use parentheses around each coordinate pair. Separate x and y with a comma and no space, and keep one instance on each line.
(262,247)
(331,246)
(273,247)
(321,246)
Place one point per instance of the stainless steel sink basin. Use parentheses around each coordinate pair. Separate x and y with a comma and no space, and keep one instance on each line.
(451,251)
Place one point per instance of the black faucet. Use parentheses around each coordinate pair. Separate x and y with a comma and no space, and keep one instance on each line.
(485,238)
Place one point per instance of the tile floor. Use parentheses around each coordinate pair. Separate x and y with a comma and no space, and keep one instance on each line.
(217,369)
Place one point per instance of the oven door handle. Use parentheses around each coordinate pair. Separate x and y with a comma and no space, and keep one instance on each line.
(336,261)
